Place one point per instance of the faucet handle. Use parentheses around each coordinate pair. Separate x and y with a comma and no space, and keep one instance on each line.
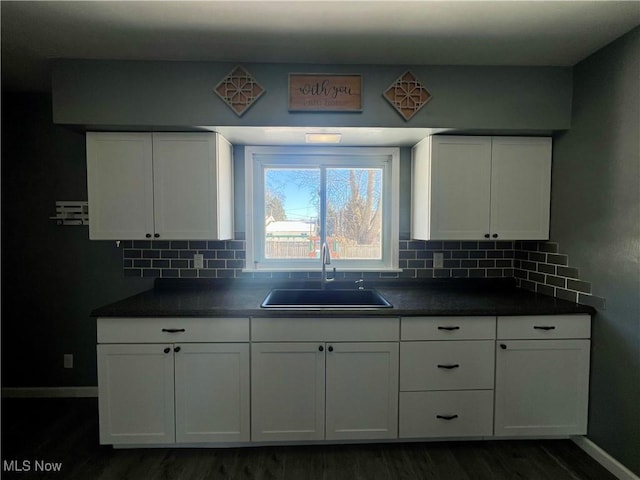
(360,283)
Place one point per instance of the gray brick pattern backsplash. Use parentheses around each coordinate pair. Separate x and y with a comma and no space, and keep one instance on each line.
(540,267)
(536,265)
(226,259)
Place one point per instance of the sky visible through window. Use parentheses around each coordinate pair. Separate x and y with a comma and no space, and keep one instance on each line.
(353,217)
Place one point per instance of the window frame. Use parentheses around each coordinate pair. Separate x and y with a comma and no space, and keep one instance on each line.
(257,158)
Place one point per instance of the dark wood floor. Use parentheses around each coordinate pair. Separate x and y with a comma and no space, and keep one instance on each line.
(65,431)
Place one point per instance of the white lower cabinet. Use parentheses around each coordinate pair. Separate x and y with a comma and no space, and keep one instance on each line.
(339,383)
(227,380)
(446,377)
(362,391)
(212,393)
(318,391)
(174,392)
(166,393)
(287,391)
(542,383)
(135,394)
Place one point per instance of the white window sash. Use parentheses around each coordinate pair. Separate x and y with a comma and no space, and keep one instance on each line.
(258,158)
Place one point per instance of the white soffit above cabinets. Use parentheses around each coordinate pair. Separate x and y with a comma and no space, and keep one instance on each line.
(350,136)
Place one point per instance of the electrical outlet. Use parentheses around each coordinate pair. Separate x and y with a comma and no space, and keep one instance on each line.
(438,260)
(198,260)
(68,360)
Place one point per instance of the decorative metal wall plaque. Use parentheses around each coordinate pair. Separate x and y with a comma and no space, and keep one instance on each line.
(313,92)
(239,90)
(407,95)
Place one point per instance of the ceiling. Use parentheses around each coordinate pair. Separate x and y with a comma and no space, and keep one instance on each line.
(418,32)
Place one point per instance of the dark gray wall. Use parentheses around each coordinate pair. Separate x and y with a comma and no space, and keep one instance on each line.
(596,220)
(142,94)
(52,276)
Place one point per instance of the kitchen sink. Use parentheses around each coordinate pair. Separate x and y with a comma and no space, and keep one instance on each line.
(316,298)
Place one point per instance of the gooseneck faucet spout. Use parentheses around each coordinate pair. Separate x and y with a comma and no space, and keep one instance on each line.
(325,256)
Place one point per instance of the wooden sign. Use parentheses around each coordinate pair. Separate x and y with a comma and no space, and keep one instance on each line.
(310,92)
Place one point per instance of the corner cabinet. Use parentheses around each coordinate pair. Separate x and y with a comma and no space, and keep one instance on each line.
(324,379)
(160,383)
(476,188)
(542,375)
(169,186)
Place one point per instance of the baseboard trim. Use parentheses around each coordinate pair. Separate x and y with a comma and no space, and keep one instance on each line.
(49,392)
(603,458)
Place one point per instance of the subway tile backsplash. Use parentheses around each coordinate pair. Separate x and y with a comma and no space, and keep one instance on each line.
(226,259)
(540,267)
(537,266)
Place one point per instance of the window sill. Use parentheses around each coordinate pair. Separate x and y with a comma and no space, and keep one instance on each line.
(329,270)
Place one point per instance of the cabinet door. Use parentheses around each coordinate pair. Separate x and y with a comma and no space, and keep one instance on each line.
(542,387)
(212,392)
(461,187)
(362,390)
(135,384)
(287,391)
(185,192)
(120,185)
(520,188)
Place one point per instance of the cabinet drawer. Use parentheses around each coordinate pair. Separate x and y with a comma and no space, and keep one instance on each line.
(464,365)
(446,414)
(172,330)
(448,328)
(329,329)
(544,326)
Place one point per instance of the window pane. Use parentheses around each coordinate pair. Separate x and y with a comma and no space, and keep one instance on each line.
(292,211)
(354,213)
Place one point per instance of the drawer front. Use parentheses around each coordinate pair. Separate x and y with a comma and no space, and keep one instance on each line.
(446,414)
(329,329)
(448,328)
(172,330)
(535,327)
(464,365)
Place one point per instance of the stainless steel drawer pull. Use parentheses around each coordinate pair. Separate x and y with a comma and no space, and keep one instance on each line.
(173,330)
(448,328)
(537,327)
(446,417)
(449,367)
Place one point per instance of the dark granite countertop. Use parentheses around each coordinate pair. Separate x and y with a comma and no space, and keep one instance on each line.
(242,298)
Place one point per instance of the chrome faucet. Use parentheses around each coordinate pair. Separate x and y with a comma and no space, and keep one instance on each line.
(325,256)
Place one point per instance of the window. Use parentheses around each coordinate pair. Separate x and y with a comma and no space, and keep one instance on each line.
(298,198)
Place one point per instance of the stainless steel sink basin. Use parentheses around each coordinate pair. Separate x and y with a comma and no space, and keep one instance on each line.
(319,298)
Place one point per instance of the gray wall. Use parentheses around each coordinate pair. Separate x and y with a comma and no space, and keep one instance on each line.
(142,94)
(52,276)
(596,220)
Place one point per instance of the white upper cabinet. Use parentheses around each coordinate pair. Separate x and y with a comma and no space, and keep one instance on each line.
(475,188)
(120,185)
(170,186)
(520,188)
